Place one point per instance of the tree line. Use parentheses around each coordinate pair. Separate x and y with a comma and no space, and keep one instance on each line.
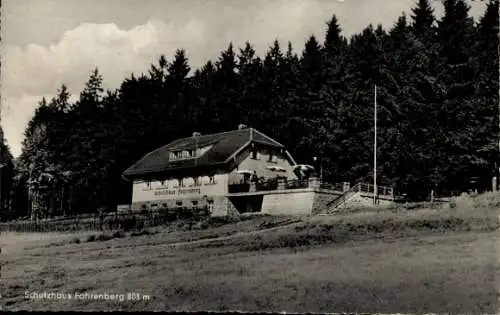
(438,112)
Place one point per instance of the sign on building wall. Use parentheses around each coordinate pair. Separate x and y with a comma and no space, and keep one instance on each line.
(123,208)
(177,191)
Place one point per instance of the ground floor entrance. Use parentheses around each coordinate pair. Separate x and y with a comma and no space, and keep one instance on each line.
(247,204)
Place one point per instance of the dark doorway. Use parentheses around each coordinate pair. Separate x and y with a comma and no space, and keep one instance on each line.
(247,204)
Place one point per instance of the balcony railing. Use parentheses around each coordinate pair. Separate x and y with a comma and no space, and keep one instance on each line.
(281,184)
(266,186)
(296,184)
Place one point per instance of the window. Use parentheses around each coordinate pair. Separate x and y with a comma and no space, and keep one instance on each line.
(162,183)
(195,203)
(211,179)
(176,155)
(255,155)
(181,182)
(210,204)
(272,157)
(178,203)
(148,184)
(185,154)
(197,181)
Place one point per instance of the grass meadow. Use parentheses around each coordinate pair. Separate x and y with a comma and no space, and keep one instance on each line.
(438,259)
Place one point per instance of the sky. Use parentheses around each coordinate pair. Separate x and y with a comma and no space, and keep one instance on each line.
(46,43)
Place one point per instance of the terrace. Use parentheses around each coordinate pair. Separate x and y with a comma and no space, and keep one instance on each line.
(276,184)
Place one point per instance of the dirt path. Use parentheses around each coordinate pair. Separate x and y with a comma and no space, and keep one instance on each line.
(238,234)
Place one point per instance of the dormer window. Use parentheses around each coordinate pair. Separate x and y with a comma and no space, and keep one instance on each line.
(175,156)
(273,158)
(185,154)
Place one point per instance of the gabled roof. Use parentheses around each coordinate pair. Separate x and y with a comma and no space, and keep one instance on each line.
(224,147)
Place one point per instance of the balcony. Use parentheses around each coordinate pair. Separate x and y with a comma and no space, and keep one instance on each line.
(282,184)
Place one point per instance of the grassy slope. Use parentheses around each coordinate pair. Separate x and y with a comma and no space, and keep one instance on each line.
(412,262)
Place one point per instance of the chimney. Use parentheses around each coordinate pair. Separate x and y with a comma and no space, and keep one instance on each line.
(242,126)
(196,134)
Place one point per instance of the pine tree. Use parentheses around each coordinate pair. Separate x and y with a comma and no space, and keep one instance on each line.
(309,83)
(423,19)
(290,100)
(486,131)
(457,114)
(204,84)
(6,179)
(177,100)
(86,142)
(250,71)
(332,97)
(226,85)
(334,43)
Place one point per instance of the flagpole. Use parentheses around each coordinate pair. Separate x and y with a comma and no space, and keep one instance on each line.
(375,149)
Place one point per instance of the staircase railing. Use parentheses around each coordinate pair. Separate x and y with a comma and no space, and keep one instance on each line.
(381,190)
(359,187)
(346,195)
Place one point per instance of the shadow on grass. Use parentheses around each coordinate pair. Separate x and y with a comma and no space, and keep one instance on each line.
(363,227)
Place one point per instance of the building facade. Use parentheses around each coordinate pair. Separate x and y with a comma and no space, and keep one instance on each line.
(198,171)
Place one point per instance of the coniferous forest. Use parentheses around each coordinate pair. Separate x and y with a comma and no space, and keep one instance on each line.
(438,89)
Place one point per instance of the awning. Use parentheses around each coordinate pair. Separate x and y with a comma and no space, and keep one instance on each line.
(245,172)
(276,168)
(303,167)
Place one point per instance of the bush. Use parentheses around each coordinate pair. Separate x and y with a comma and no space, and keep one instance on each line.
(139,224)
(203,225)
(103,237)
(143,232)
(180,224)
(118,234)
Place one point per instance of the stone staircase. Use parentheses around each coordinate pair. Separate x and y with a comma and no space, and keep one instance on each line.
(359,195)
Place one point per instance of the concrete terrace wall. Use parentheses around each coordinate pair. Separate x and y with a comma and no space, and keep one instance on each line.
(298,201)
(289,202)
(222,206)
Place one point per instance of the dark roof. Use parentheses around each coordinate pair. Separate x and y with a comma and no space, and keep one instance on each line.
(224,146)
